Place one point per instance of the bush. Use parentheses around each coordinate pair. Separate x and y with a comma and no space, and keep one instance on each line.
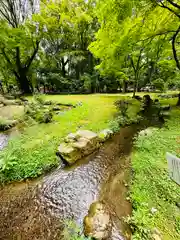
(122,106)
(159,84)
(39,98)
(37,111)
(127,114)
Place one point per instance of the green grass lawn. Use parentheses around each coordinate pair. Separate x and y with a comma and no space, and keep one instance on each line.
(152,187)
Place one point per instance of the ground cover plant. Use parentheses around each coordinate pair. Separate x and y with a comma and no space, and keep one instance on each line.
(155,196)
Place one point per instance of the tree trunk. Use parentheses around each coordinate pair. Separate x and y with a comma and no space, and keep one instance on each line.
(124,86)
(24,82)
(63,68)
(134,89)
(90,63)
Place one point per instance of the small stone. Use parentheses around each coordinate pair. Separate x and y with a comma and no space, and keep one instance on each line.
(128,199)
(87,134)
(72,137)
(156,231)
(92,137)
(156,237)
(153,210)
(147,132)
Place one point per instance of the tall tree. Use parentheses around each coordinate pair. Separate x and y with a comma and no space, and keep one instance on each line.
(70,27)
(19,40)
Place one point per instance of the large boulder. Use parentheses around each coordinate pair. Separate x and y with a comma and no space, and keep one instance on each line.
(80,144)
(97,224)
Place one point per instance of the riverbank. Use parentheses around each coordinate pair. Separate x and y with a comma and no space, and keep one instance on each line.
(154,195)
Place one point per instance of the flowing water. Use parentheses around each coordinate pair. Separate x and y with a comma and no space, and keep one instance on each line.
(3,140)
(36,209)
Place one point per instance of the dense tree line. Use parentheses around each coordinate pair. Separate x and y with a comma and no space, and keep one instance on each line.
(89,46)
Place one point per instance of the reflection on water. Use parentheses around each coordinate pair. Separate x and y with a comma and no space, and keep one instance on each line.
(35,209)
(3,140)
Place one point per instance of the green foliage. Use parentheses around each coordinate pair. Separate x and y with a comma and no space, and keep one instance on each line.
(127,114)
(20,161)
(86,82)
(122,106)
(159,84)
(38,111)
(152,187)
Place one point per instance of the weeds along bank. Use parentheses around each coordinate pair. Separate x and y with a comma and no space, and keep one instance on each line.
(154,196)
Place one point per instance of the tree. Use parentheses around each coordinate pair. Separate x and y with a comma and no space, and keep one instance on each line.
(172,8)
(19,40)
(70,28)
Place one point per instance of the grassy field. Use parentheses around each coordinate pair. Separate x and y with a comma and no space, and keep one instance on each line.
(152,187)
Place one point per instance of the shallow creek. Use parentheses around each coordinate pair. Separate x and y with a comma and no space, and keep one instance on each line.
(3,140)
(35,209)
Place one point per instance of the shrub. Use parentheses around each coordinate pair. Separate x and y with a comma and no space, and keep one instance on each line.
(122,106)
(37,111)
(159,84)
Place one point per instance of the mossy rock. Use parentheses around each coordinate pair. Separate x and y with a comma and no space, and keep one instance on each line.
(97,224)
(69,153)
(7,124)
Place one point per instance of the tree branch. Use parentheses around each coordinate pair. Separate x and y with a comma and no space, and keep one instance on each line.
(10,63)
(174,47)
(157,34)
(6,57)
(170,9)
(29,61)
(174,4)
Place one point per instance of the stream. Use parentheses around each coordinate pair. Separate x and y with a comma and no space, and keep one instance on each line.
(36,209)
(3,140)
